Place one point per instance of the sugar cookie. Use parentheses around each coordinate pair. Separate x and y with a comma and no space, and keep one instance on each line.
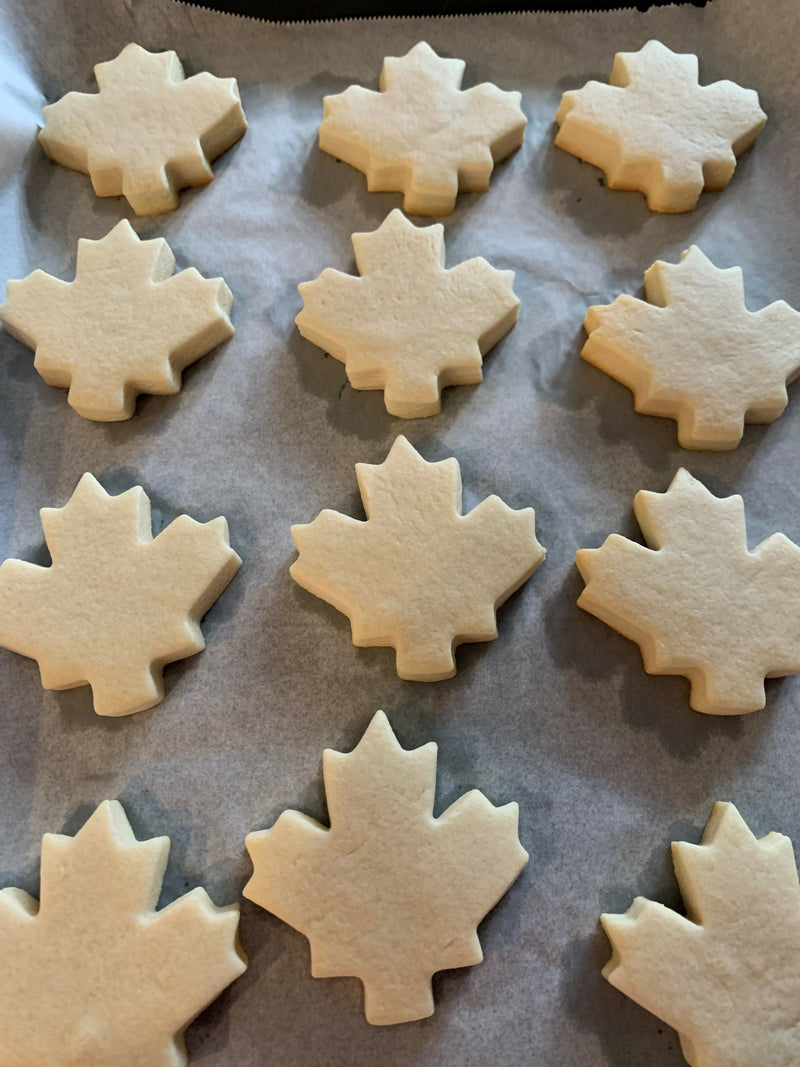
(148,132)
(417,575)
(117,604)
(695,353)
(389,894)
(656,129)
(698,602)
(125,326)
(95,975)
(726,976)
(423,135)
(426,327)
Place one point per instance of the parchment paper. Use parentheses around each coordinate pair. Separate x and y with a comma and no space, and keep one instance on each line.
(608,764)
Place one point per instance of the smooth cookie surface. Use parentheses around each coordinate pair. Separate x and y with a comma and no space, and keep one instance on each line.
(92,974)
(423,135)
(389,894)
(408,325)
(417,575)
(116,604)
(726,974)
(693,352)
(126,325)
(656,129)
(697,601)
(148,132)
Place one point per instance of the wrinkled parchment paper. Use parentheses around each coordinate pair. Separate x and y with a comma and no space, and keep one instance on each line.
(608,764)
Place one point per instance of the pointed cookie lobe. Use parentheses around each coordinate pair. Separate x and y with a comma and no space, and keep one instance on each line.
(93,974)
(726,976)
(417,575)
(693,352)
(125,326)
(117,604)
(656,129)
(698,602)
(148,132)
(388,894)
(423,135)
(408,325)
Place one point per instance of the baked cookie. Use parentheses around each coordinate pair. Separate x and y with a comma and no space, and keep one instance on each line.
(417,575)
(423,135)
(694,353)
(149,132)
(94,975)
(656,129)
(117,604)
(426,327)
(125,326)
(698,602)
(389,894)
(725,976)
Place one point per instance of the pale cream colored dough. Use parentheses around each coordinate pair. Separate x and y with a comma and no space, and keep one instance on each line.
(727,976)
(697,601)
(417,575)
(94,976)
(423,135)
(409,326)
(695,353)
(389,894)
(125,326)
(148,132)
(117,604)
(654,128)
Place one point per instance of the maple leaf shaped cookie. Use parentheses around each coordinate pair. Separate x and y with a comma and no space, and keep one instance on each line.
(94,975)
(726,976)
(117,604)
(656,129)
(698,602)
(423,135)
(125,326)
(148,133)
(695,353)
(417,575)
(389,894)
(425,327)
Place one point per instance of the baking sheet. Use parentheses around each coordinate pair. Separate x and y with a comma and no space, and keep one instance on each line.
(608,765)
